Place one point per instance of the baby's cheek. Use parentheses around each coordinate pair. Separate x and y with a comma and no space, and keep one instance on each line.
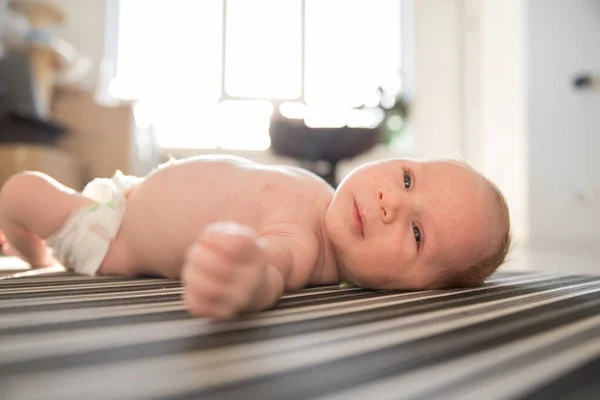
(402,267)
(381,253)
(393,259)
(399,254)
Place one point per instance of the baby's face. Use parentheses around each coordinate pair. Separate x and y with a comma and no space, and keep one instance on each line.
(400,224)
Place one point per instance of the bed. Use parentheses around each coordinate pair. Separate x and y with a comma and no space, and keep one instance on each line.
(521,335)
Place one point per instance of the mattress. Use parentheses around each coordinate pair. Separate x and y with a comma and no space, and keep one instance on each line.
(521,335)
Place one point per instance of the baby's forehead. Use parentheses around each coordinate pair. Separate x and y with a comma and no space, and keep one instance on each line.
(449,164)
(458,176)
(465,216)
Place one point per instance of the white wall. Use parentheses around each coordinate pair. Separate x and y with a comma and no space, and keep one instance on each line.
(525,126)
(437,118)
(563,38)
(502,106)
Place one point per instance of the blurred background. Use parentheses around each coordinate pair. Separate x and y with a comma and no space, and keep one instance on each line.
(510,86)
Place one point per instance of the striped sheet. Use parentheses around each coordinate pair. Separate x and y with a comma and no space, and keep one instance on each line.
(521,335)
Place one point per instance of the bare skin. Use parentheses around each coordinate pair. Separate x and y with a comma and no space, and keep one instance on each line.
(240,234)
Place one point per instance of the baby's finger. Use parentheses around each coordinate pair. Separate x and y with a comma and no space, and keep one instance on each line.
(210,263)
(223,312)
(195,305)
(201,304)
(201,293)
(206,287)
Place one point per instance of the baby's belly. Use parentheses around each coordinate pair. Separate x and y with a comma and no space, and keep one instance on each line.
(168,212)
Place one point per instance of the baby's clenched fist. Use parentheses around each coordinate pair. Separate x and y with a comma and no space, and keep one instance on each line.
(223,271)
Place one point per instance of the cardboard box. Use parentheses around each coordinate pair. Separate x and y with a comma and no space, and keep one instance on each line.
(15,158)
(104,138)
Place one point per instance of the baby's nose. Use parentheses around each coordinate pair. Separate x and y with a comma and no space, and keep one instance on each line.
(389,204)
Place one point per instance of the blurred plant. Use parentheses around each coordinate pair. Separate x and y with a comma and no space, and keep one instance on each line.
(392,100)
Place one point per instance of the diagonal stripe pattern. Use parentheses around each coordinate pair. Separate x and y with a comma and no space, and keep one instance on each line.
(521,335)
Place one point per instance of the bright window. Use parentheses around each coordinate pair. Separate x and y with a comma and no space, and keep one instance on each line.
(170,55)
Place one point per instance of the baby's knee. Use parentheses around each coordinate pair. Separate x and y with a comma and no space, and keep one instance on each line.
(17,187)
(26,189)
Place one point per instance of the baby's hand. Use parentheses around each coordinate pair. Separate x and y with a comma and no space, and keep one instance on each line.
(223,271)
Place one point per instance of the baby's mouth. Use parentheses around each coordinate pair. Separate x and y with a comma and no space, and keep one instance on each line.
(357,222)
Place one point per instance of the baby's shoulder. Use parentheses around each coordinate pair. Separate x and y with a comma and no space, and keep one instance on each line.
(305,179)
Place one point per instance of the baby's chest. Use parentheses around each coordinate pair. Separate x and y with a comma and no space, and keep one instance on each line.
(253,204)
(296,203)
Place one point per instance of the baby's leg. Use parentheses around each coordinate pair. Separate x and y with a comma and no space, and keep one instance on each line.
(33,206)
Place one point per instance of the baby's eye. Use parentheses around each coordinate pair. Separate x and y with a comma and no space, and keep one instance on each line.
(407,181)
(417,233)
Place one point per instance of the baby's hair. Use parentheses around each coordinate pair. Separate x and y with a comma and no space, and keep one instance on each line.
(478,272)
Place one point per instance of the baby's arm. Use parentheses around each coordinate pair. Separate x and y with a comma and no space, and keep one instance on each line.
(230,271)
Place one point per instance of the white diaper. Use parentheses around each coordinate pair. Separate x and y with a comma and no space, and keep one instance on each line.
(82,241)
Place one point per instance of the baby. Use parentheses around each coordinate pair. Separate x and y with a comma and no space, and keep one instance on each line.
(239,234)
